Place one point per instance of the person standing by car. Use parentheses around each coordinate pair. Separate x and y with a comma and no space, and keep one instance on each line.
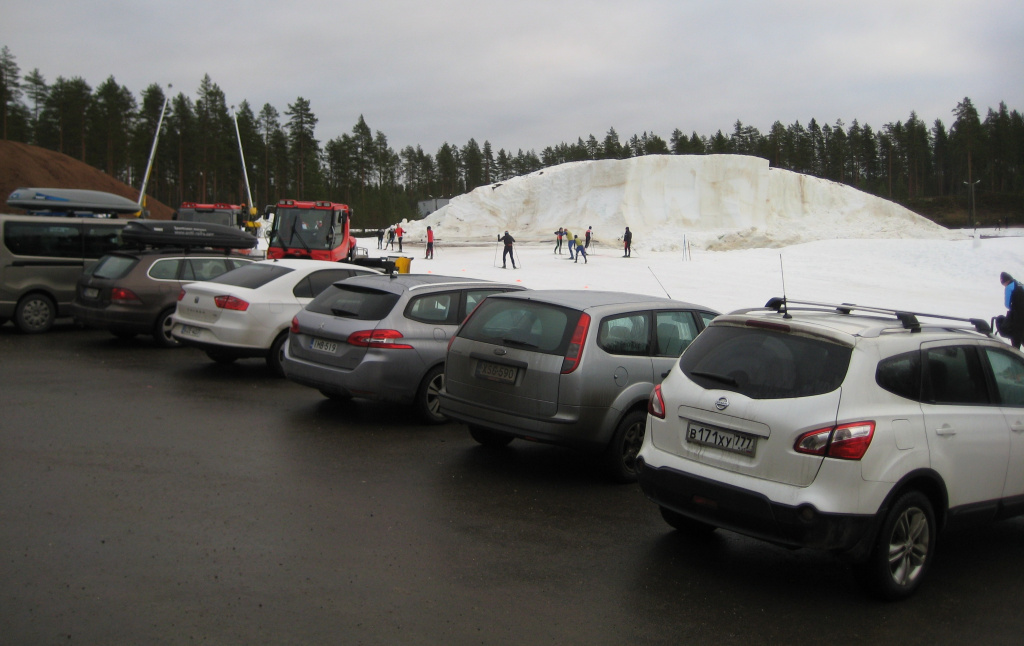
(1013,296)
(627,243)
(430,243)
(508,240)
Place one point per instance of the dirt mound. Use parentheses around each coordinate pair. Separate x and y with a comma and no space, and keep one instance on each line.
(24,166)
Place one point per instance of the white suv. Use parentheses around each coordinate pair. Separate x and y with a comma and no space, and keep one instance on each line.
(856,430)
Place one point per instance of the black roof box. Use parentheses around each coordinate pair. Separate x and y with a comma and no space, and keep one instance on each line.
(167,233)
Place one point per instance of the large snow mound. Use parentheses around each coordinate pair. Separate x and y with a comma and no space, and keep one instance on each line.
(713,202)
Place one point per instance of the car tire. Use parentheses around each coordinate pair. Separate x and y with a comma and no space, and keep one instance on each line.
(620,456)
(162,330)
(490,439)
(275,356)
(336,397)
(35,313)
(428,402)
(904,549)
(221,357)
(685,524)
(124,335)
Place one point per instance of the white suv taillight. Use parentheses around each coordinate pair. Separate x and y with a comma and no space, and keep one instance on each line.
(656,403)
(846,442)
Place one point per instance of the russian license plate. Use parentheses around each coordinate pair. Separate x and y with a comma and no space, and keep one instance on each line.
(721,439)
(91,292)
(497,372)
(323,345)
(189,330)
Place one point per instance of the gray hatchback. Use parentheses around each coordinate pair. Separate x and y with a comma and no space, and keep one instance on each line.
(573,368)
(382,337)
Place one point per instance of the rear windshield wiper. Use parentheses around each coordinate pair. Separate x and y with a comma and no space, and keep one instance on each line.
(345,313)
(714,376)
(519,342)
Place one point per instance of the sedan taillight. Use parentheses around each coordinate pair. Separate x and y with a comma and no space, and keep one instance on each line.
(181,294)
(846,442)
(230,303)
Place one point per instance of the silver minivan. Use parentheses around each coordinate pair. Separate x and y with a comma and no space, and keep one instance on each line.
(568,367)
(41,260)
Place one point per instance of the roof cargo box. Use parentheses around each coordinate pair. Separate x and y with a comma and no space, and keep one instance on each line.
(163,233)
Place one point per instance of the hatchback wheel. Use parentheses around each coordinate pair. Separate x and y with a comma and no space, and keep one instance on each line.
(903,550)
(428,400)
(162,330)
(35,313)
(620,456)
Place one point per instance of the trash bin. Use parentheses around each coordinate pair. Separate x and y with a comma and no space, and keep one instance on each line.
(403,264)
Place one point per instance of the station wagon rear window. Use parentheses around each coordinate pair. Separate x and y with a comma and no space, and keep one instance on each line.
(113,267)
(350,301)
(539,327)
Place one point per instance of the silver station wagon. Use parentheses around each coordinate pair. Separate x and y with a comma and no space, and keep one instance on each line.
(382,338)
(567,367)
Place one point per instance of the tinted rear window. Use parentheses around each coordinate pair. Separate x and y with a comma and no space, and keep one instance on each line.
(252,275)
(353,302)
(113,266)
(765,364)
(522,324)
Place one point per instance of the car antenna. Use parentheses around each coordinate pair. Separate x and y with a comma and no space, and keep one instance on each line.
(658,281)
(785,310)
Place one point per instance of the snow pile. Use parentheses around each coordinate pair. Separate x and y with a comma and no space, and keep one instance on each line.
(713,202)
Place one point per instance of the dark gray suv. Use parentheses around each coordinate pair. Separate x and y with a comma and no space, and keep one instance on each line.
(572,367)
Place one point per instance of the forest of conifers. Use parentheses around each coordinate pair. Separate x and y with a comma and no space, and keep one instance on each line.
(927,168)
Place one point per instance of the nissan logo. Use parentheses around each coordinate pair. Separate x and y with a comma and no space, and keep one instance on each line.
(722,403)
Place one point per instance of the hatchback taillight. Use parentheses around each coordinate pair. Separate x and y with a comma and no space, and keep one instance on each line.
(575,350)
(846,442)
(122,295)
(656,403)
(230,303)
(385,339)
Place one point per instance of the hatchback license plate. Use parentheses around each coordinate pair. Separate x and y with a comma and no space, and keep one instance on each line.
(323,345)
(721,439)
(497,372)
(91,292)
(189,330)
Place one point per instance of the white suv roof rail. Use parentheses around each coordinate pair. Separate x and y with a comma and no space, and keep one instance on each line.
(909,320)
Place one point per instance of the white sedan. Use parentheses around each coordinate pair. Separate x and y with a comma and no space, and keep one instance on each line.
(246,312)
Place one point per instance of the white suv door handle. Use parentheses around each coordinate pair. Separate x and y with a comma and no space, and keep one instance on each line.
(1017,427)
(945,429)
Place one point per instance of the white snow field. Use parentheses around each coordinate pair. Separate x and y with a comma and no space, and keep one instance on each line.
(725,231)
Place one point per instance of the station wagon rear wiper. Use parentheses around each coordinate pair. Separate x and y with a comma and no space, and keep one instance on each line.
(345,313)
(519,342)
(724,379)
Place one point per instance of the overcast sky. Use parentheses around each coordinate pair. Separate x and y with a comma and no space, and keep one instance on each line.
(532,73)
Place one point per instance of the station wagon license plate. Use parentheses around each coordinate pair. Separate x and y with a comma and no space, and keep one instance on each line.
(497,372)
(91,292)
(189,330)
(721,439)
(323,345)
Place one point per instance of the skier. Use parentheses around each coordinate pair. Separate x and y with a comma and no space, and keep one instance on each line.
(627,242)
(581,250)
(590,232)
(508,240)
(391,238)
(430,243)
(558,240)
(572,244)
(1013,295)
(380,238)
(399,232)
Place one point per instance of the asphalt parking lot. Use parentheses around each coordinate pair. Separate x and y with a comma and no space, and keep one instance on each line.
(152,496)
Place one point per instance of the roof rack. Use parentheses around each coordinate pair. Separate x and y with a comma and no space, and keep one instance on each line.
(909,320)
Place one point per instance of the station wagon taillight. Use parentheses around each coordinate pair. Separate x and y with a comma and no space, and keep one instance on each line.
(846,442)
(294,329)
(574,352)
(386,339)
(122,295)
(230,303)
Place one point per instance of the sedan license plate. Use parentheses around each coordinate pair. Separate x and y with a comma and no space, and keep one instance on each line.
(91,292)
(323,345)
(721,439)
(497,372)
(189,330)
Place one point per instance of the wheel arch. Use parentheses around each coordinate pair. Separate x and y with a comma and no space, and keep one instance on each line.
(929,483)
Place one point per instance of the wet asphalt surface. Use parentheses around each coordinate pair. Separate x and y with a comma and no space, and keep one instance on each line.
(150,496)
